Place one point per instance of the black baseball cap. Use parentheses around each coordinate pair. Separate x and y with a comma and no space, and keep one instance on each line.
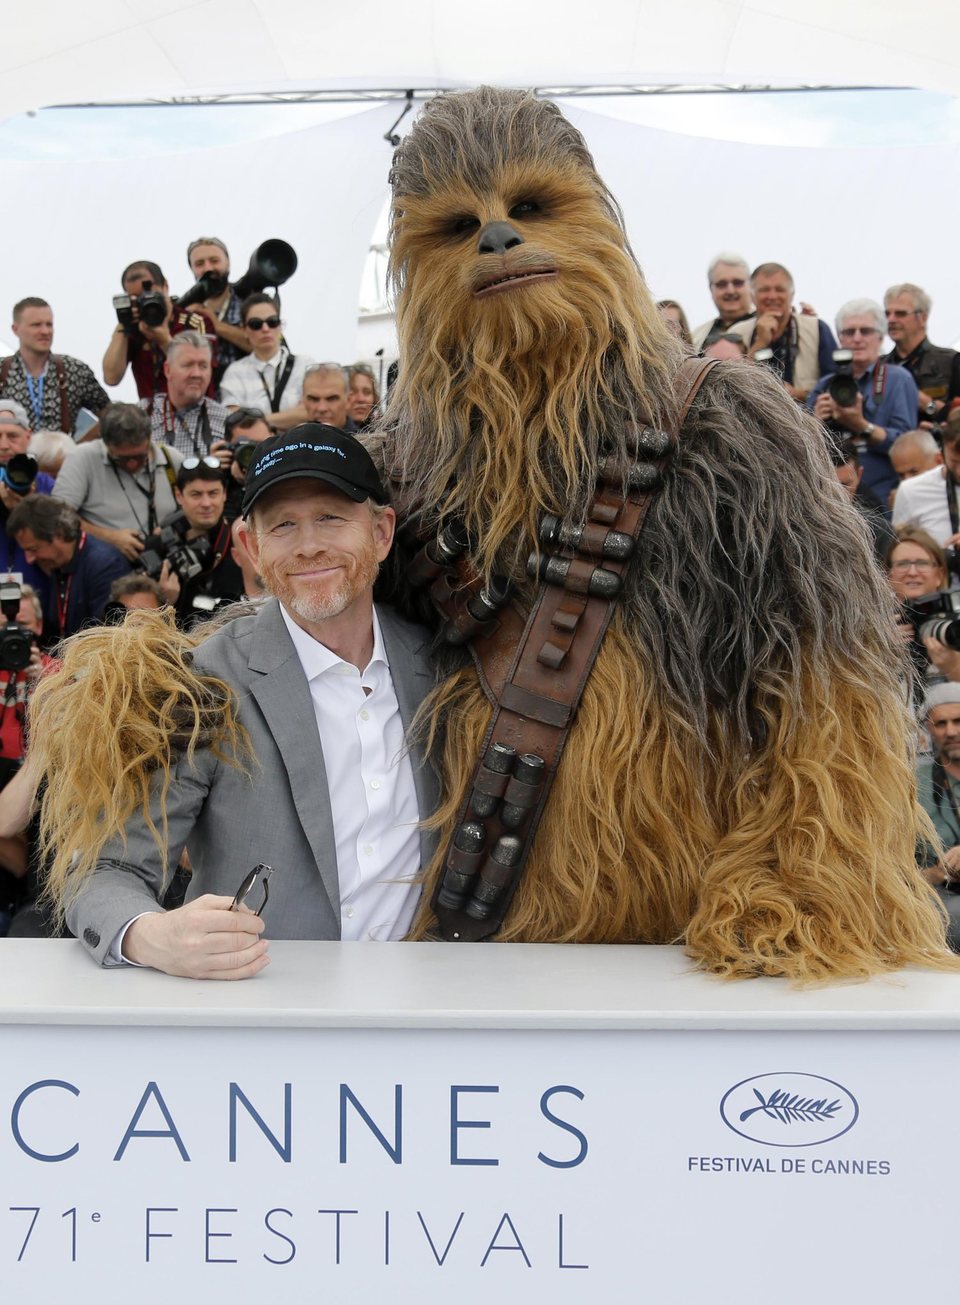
(313,451)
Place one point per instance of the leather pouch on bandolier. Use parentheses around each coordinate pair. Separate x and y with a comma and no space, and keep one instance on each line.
(534,669)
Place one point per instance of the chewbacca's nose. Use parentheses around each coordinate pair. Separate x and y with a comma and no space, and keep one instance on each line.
(498,237)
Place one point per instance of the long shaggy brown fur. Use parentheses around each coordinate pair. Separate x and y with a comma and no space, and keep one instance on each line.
(108,728)
(739,774)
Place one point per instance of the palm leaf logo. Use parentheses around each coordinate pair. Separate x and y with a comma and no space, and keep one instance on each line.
(792,1109)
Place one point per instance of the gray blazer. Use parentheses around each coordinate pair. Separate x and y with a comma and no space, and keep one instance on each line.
(279,812)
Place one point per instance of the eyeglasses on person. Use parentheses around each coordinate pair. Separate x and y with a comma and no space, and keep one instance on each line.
(849,332)
(914,564)
(738,282)
(258,323)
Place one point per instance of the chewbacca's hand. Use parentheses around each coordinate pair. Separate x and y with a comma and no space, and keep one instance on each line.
(202,940)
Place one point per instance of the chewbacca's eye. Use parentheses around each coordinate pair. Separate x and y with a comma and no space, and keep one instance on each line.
(524,208)
(462,226)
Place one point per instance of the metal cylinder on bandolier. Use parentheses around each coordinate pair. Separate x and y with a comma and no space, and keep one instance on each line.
(477,615)
(492,779)
(595,540)
(438,555)
(574,574)
(523,791)
(496,875)
(463,864)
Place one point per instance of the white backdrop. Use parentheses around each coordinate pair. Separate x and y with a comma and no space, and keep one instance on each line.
(58,50)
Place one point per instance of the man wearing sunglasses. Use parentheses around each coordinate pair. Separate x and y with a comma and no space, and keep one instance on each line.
(122,484)
(326,685)
(886,402)
(729,280)
(935,370)
(270,378)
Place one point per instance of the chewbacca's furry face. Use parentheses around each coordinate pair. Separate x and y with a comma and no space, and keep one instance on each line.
(533,255)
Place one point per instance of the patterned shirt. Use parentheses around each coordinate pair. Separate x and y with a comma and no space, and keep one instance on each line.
(191,430)
(40,396)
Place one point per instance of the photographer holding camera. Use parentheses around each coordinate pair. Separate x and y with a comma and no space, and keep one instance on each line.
(191,556)
(209,262)
(123,483)
(864,397)
(147,320)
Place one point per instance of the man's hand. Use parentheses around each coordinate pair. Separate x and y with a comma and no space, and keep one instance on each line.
(948,867)
(766,331)
(222,450)
(169,583)
(9,497)
(851,418)
(129,542)
(202,940)
(824,408)
(946,660)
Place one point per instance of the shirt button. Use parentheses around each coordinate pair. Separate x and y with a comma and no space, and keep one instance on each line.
(374,783)
(364,714)
(367,850)
(349,912)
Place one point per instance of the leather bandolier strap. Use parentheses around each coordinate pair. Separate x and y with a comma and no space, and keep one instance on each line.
(534,669)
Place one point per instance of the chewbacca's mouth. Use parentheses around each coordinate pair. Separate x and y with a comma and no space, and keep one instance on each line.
(510,280)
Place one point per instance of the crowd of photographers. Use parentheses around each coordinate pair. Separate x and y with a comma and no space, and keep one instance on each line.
(110,506)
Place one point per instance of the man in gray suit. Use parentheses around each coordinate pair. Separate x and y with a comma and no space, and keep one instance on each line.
(325,685)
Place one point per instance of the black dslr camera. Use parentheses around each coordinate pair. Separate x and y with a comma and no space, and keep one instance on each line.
(936,616)
(841,386)
(16,643)
(19,473)
(187,559)
(151,306)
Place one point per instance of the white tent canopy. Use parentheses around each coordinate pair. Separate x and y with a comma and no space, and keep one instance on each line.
(835,216)
(58,51)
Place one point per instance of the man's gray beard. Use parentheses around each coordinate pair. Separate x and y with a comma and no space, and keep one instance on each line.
(321,607)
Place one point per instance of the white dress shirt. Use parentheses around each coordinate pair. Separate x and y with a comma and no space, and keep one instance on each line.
(249,382)
(370,781)
(922,501)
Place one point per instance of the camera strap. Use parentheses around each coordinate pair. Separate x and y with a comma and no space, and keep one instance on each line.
(65,585)
(534,671)
(952,503)
(283,376)
(149,493)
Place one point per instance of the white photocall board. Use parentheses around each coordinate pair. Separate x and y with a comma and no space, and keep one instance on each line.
(297,1155)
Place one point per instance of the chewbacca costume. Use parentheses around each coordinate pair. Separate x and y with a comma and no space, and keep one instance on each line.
(738,774)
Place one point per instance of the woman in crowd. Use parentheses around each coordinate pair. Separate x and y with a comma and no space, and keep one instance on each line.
(676,320)
(917,567)
(363,395)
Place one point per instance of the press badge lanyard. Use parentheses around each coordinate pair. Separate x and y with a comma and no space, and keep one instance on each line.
(283,375)
(35,390)
(64,585)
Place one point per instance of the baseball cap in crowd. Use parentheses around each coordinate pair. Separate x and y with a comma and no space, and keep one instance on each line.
(313,451)
(15,414)
(941,695)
